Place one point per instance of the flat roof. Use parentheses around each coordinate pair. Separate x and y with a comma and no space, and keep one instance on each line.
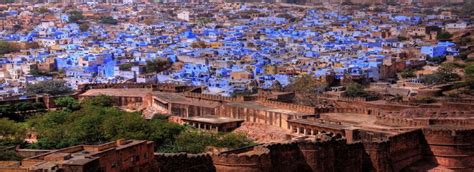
(180,99)
(121,92)
(318,124)
(213,119)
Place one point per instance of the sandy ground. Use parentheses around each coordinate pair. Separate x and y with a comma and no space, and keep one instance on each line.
(263,133)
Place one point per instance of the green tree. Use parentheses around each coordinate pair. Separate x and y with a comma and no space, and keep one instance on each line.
(94,124)
(6,47)
(9,155)
(108,20)
(43,10)
(11,133)
(445,73)
(67,102)
(75,16)
(157,65)
(276,86)
(101,100)
(469,75)
(304,84)
(354,90)
(197,141)
(52,87)
(408,73)
(443,36)
(84,27)
(126,66)
(17,27)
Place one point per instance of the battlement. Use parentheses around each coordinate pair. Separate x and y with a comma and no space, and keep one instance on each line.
(184,162)
(214,97)
(255,155)
(156,87)
(396,121)
(290,106)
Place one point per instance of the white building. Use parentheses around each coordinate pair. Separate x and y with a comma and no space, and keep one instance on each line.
(183,15)
(458,25)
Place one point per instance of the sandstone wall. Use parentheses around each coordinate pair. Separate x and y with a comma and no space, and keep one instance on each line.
(396,152)
(453,149)
(184,162)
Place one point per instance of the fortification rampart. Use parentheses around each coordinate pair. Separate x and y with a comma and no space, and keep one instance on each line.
(156,87)
(248,159)
(396,152)
(451,148)
(184,162)
(214,97)
(290,106)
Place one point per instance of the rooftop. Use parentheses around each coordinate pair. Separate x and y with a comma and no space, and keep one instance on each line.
(213,119)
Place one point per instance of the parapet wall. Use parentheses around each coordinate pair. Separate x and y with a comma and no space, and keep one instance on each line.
(400,122)
(157,87)
(451,148)
(213,97)
(406,148)
(184,162)
(396,152)
(250,159)
(289,106)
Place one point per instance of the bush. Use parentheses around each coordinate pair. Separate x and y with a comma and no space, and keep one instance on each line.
(108,20)
(93,124)
(436,60)
(443,36)
(67,102)
(101,100)
(7,47)
(425,100)
(52,87)
(197,141)
(355,90)
(408,73)
(126,66)
(9,155)
(157,65)
(75,16)
(11,133)
(84,27)
(444,74)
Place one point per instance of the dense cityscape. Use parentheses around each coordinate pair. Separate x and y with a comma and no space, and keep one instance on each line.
(355,85)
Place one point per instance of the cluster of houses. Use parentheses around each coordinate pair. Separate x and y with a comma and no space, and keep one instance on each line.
(228,48)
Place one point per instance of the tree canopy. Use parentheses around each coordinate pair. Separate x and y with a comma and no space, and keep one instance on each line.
(108,20)
(355,90)
(84,27)
(304,84)
(95,124)
(444,74)
(75,16)
(443,36)
(157,65)
(11,133)
(98,122)
(9,155)
(7,47)
(52,87)
(67,102)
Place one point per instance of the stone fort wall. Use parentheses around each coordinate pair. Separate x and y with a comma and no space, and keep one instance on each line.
(451,148)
